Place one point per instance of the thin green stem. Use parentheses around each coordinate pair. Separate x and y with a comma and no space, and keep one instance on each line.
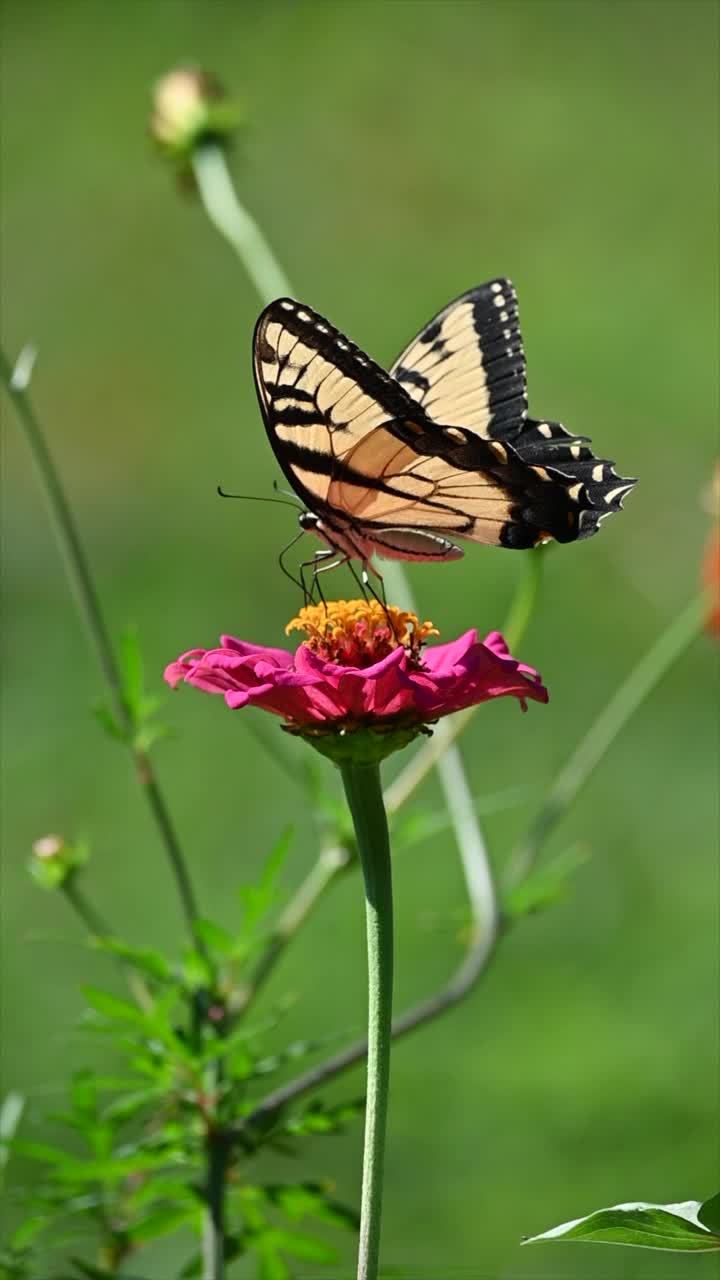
(218,1147)
(364,797)
(612,719)
(78,571)
(235,224)
(629,697)
(99,927)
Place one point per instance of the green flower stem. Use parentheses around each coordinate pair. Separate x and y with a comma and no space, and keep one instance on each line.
(78,572)
(218,1147)
(612,719)
(235,224)
(629,697)
(364,797)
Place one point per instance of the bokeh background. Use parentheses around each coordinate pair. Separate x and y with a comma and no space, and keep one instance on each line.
(395,154)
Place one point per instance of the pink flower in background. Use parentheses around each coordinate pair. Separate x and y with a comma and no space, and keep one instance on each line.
(362,666)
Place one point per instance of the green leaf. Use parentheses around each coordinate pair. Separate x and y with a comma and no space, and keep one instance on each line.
(132,672)
(270,1265)
(113,1007)
(163,1221)
(144,959)
(28,1230)
(214,936)
(109,722)
(649,1226)
(257,899)
(300,1245)
(547,884)
(317,1118)
(709,1214)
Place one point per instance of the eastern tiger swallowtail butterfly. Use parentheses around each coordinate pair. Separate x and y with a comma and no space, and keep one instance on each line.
(401,464)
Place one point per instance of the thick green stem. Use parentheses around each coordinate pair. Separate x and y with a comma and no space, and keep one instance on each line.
(78,571)
(364,796)
(213,1245)
(235,224)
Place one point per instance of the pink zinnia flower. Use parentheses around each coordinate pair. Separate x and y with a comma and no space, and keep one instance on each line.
(362,666)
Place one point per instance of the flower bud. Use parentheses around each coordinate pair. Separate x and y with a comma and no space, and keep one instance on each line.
(54,859)
(191,107)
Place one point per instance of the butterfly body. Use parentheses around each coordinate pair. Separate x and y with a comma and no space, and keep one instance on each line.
(402,464)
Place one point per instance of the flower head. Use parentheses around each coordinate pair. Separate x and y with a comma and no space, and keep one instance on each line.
(54,859)
(362,681)
(190,107)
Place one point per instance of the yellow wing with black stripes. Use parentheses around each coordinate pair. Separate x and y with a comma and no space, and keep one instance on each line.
(432,451)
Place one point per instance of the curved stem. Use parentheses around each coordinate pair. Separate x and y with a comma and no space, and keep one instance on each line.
(364,797)
(97,925)
(234,222)
(78,571)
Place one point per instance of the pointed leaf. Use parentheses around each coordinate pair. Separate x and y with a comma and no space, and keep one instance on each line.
(650,1226)
(142,958)
(113,1007)
(547,884)
(131,667)
(709,1214)
(215,936)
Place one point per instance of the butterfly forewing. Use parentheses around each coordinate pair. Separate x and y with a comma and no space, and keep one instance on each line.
(442,447)
(467,366)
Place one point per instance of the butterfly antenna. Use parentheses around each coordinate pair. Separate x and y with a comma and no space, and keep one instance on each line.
(253,497)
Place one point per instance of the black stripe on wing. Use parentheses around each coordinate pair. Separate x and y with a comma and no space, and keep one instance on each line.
(467,366)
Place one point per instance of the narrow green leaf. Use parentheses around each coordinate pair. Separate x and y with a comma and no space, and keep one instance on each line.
(28,1230)
(131,668)
(709,1214)
(215,936)
(270,1265)
(115,1008)
(41,1151)
(307,1248)
(163,1221)
(109,723)
(547,884)
(649,1226)
(144,959)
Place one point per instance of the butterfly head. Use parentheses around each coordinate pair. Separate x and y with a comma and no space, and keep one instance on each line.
(308,521)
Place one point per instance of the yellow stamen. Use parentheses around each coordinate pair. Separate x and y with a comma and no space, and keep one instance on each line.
(360,632)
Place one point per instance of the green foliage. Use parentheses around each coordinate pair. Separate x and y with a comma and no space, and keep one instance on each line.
(142,730)
(128,1164)
(689,1227)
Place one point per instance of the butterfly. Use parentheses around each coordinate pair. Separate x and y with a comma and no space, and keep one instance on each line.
(400,464)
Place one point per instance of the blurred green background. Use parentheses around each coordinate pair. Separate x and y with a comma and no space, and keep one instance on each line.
(395,154)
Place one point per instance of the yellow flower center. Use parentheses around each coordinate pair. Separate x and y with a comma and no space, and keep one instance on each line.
(358,633)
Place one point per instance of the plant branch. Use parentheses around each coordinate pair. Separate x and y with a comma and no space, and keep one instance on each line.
(218,1148)
(235,224)
(16,381)
(98,926)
